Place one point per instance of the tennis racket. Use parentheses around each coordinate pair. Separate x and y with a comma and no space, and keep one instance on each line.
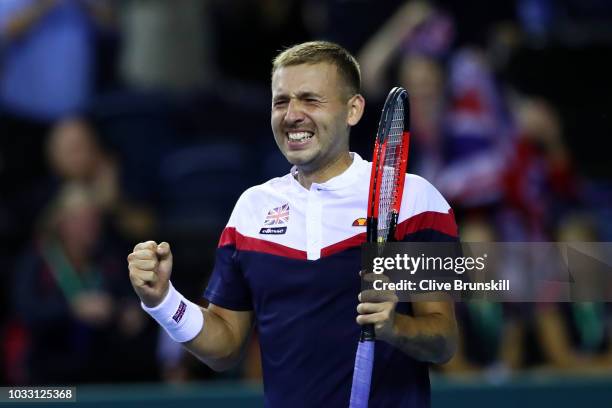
(389,162)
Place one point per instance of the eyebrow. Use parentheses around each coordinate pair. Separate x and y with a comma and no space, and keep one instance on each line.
(308,94)
(299,95)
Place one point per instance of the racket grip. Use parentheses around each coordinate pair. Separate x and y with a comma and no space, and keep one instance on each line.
(362,375)
(368,333)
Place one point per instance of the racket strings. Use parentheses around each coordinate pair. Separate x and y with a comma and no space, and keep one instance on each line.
(390,172)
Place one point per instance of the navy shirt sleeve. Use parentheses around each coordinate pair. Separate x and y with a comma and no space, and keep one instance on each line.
(228,286)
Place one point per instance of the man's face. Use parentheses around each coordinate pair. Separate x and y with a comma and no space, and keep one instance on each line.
(310,114)
(72,150)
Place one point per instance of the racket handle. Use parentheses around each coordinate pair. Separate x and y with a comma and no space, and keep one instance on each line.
(362,375)
(392,226)
(371,229)
(367,333)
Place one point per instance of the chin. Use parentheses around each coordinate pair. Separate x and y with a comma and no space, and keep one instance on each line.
(299,159)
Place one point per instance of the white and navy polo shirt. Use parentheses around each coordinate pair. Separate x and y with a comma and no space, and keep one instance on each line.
(292,255)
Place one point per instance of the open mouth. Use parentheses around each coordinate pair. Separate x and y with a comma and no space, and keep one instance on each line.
(299,137)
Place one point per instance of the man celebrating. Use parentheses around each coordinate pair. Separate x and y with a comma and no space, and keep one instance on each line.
(290,255)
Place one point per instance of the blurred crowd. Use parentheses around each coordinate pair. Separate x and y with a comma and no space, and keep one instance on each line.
(132,120)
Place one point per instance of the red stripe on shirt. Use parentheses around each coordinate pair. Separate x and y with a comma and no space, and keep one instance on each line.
(351,242)
(243,243)
(441,222)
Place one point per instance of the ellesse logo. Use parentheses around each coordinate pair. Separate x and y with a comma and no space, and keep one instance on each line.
(273,230)
(360,222)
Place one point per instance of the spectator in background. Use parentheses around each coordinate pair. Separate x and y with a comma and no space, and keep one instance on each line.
(397,35)
(478,134)
(541,184)
(75,155)
(573,336)
(424,77)
(69,292)
(166,45)
(491,333)
(409,48)
(463,133)
(46,72)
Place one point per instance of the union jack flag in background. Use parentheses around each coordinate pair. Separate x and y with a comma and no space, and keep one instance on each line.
(278,215)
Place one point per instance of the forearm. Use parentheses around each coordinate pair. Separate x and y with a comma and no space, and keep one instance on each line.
(379,50)
(215,345)
(214,334)
(431,338)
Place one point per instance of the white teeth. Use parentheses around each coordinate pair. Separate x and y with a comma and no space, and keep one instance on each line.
(299,136)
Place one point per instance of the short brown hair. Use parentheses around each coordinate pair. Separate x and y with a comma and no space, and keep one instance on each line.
(314,52)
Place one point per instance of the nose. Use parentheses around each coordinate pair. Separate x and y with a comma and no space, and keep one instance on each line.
(294,113)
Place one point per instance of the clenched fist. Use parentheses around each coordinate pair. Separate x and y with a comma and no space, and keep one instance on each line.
(150,267)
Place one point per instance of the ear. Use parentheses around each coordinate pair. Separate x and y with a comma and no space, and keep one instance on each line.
(356,105)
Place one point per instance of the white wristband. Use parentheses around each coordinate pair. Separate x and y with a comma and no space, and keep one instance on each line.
(182,319)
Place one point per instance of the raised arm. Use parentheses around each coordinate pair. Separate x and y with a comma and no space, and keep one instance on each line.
(215,335)
(377,53)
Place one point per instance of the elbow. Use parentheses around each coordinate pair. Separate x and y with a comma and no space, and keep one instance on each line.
(445,352)
(221,360)
(219,368)
(446,347)
(439,350)
(220,365)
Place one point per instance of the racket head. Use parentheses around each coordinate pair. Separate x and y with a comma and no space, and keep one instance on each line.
(389,161)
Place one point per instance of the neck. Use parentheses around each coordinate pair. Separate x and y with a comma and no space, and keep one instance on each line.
(327,172)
